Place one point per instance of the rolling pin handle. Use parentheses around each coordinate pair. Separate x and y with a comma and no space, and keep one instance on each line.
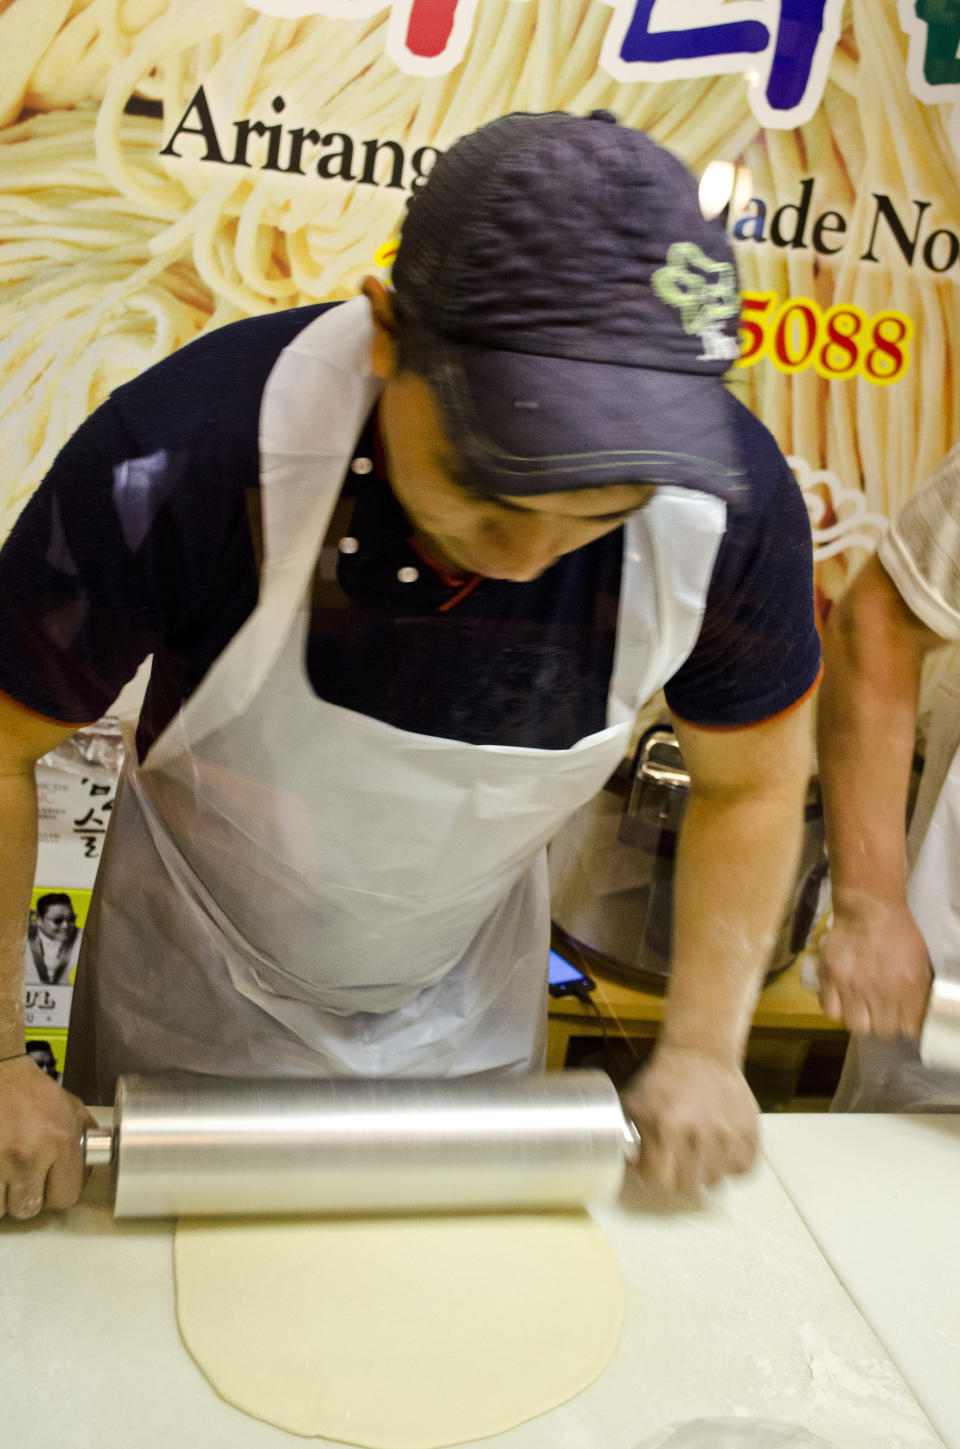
(940,1039)
(98,1145)
(631,1140)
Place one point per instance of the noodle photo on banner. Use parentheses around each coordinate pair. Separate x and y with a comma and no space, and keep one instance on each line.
(169,166)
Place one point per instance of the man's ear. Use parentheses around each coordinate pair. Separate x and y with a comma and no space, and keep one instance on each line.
(383,349)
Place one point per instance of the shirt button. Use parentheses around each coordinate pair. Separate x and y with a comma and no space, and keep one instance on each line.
(361,465)
(408,574)
(348,545)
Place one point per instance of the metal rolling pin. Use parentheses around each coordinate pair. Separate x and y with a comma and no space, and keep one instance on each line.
(198,1146)
(940,1040)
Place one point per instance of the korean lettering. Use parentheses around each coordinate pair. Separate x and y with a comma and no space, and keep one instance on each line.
(941,55)
(38,998)
(795,39)
(740,38)
(92,826)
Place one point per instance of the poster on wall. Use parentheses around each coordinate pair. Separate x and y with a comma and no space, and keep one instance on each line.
(168,167)
(74,812)
(57,918)
(76,789)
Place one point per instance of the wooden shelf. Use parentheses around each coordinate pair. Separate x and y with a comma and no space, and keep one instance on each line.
(786,1012)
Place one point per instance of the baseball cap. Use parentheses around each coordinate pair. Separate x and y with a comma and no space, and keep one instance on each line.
(575,311)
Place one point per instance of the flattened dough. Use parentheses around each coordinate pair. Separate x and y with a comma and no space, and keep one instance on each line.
(407,1333)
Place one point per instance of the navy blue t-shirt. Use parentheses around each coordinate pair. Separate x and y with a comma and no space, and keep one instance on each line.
(143,539)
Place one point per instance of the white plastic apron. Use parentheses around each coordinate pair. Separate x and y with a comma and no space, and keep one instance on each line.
(291,886)
(888,1076)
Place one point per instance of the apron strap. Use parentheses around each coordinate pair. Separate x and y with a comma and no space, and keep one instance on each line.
(315,403)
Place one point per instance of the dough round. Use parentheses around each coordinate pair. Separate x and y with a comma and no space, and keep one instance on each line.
(405,1333)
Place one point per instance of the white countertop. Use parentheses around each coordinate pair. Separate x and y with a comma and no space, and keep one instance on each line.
(732,1311)
(881,1195)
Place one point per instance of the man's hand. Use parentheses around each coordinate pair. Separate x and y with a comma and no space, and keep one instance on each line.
(40,1129)
(875,971)
(874,968)
(696,1116)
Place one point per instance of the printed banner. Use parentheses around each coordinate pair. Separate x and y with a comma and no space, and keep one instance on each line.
(169,166)
(49,1051)
(57,918)
(76,787)
(74,812)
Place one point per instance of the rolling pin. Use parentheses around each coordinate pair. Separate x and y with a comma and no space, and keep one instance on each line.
(940,1039)
(187,1146)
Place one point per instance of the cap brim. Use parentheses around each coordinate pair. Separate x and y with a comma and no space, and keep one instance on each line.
(531,424)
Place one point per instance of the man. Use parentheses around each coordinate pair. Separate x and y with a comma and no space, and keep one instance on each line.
(53,940)
(875,966)
(406,568)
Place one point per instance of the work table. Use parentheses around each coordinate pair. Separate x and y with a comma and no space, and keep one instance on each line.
(881,1196)
(733,1309)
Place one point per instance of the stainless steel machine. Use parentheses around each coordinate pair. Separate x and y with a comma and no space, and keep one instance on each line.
(198,1145)
(611,866)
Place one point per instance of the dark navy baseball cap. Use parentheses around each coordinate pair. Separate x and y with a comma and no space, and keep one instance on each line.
(573,309)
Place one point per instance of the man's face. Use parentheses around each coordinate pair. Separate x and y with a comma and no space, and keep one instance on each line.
(57,922)
(471,532)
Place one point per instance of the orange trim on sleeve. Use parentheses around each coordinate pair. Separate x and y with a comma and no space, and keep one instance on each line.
(64,724)
(753,723)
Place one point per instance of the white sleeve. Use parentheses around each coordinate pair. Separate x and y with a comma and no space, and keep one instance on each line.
(921,550)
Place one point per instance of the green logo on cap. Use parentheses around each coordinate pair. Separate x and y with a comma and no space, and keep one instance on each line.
(704,292)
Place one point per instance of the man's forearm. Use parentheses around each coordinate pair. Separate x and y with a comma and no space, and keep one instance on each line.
(736,863)
(40,1124)
(865,734)
(18,804)
(24,739)
(736,860)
